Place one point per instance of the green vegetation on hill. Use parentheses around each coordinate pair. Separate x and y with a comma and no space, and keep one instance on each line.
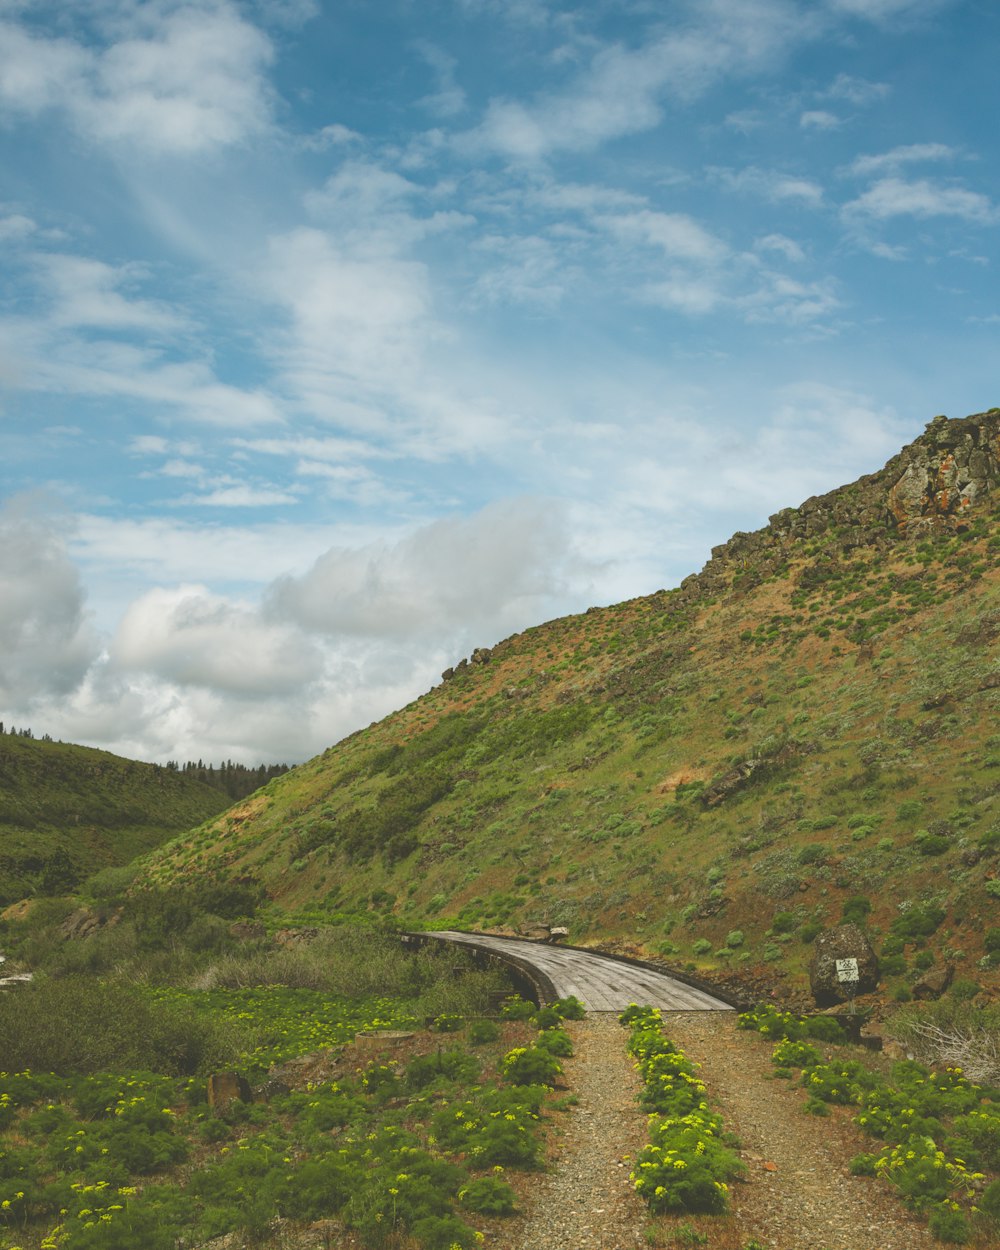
(800,733)
(67,811)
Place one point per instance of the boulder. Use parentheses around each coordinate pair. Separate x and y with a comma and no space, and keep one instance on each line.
(227,1087)
(934,982)
(843,943)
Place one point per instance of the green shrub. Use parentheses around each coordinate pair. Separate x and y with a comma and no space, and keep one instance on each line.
(448,1065)
(735,938)
(546,1018)
(529,1065)
(556,1042)
(701,946)
(79,1025)
(444,1232)
(570,1008)
(480,1031)
(488,1195)
(856,909)
(783,922)
(517,1008)
(918,921)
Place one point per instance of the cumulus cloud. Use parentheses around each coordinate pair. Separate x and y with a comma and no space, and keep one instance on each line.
(173,80)
(191,637)
(495,571)
(46,643)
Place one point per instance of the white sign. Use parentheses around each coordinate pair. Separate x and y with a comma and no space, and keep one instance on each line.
(847,970)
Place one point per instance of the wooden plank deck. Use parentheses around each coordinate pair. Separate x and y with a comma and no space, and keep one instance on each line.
(599,982)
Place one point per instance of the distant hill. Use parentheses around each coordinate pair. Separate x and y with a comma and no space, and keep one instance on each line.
(805,730)
(67,811)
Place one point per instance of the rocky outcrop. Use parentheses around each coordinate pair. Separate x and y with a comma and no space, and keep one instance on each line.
(831,952)
(479,657)
(930,485)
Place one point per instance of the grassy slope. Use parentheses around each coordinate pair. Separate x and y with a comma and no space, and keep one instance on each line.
(100,808)
(570,779)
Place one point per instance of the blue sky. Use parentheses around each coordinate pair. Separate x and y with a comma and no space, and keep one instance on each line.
(339,339)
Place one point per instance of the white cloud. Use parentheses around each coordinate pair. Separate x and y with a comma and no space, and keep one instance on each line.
(530,271)
(334,135)
(908,154)
(46,643)
(784,299)
(178,81)
(895,197)
(885,10)
(819,119)
(857,91)
(240,495)
(745,121)
(782,245)
(191,637)
(771,184)
(160,550)
(693,296)
(492,572)
(449,98)
(675,234)
(623,89)
(16,226)
(86,292)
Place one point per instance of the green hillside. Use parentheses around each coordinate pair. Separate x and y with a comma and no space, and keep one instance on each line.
(807,729)
(67,811)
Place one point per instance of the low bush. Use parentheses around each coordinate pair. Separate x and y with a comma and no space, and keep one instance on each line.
(686,1165)
(78,1025)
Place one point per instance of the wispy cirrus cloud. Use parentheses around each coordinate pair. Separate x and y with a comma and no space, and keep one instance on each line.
(907,154)
(774,185)
(623,90)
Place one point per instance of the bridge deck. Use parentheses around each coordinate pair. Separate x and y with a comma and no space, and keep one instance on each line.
(599,982)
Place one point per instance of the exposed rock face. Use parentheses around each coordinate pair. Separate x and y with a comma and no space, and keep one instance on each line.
(845,942)
(947,470)
(84,923)
(929,485)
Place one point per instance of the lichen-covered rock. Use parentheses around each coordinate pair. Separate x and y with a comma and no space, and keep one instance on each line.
(845,942)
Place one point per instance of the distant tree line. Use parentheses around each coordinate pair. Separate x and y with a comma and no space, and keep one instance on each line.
(235,780)
(21,733)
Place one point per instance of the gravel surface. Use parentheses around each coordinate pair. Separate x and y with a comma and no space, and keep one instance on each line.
(798,1193)
(586,1201)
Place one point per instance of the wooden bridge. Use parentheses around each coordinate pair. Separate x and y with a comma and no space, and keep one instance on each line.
(600,982)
